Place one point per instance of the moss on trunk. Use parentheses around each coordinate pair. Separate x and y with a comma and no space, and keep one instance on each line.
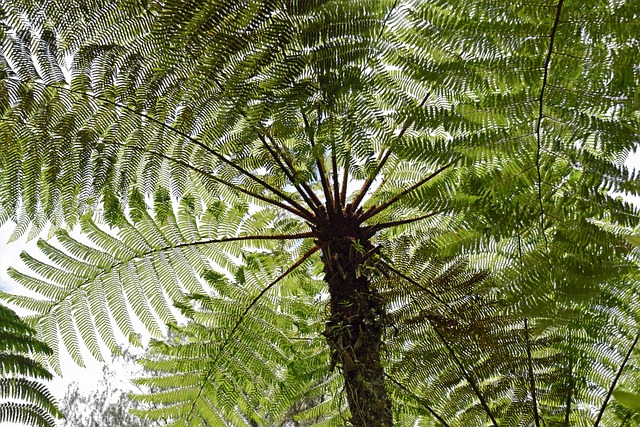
(354,331)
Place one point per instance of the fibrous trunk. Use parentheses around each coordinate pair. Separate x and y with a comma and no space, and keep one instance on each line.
(354,331)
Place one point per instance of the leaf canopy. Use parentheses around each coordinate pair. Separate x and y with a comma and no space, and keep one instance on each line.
(208,150)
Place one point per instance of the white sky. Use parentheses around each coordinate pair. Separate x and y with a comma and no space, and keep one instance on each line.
(87,377)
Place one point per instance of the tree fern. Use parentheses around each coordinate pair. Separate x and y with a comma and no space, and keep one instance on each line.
(441,175)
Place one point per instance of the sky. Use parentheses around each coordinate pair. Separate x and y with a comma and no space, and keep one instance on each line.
(89,377)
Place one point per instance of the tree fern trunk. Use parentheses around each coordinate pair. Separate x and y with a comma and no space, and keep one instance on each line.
(354,331)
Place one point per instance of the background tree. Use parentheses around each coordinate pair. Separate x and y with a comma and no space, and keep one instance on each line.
(108,404)
(24,398)
(415,198)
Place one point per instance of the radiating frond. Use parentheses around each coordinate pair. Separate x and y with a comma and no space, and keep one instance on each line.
(90,291)
(457,166)
(270,371)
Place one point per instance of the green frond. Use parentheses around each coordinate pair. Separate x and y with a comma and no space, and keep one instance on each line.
(28,390)
(23,398)
(273,367)
(87,292)
(458,342)
(25,414)
(468,155)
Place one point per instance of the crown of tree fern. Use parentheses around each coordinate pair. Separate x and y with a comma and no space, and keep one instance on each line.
(382,212)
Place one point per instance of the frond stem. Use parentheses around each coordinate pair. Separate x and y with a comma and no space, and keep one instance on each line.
(319,164)
(541,116)
(418,398)
(418,285)
(309,192)
(384,225)
(467,376)
(245,238)
(305,192)
(382,160)
(336,185)
(284,169)
(615,380)
(532,381)
(374,210)
(386,21)
(253,302)
(345,179)
(464,372)
(567,411)
(277,159)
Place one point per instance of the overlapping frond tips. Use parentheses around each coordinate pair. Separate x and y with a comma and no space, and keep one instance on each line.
(461,354)
(481,144)
(534,104)
(118,122)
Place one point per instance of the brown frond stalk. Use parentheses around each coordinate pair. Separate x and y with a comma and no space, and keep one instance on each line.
(612,387)
(374,210)
(278,154)
(324,180)
(373,229)
(420,399)
(382,160)
(465,374)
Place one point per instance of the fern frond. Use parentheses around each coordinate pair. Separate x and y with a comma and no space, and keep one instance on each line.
(86,291)
(461,159)
(23,398)
(272,368)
